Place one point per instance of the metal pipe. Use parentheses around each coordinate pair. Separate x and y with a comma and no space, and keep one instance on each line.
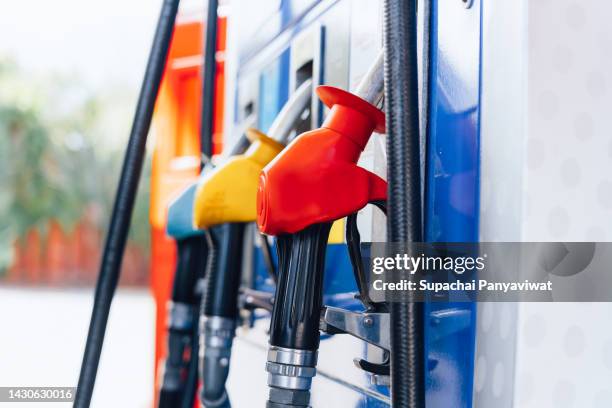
(286,119)
(112,256)
(371,88)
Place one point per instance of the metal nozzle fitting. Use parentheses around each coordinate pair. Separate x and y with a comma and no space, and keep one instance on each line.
(290,373)
(216,338)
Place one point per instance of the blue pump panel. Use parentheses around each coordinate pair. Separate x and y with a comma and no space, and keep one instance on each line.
(452,186)
(273,91)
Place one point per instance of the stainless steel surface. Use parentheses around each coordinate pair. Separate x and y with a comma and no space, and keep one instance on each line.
(292,356)
(372,85)
(216,338)
(370,327)
(384,380)
(374,328)
(218,332)
(307,48)
(288,116)
(291,377)
(337,383)
(291,368)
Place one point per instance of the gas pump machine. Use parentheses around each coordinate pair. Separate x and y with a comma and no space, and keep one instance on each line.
(368,130)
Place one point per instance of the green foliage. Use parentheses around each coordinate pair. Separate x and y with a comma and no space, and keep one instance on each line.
(61,149)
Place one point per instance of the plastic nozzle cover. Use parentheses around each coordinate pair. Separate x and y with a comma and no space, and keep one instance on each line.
(227,193)
(316,178)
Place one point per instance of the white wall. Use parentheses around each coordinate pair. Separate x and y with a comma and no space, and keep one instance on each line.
(547,176)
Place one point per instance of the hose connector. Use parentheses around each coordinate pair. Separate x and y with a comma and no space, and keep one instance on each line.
(217,335)
(180,325)
(290,373)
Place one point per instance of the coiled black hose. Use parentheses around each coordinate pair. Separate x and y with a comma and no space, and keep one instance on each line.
(208,80)
(404,198)
(110,268)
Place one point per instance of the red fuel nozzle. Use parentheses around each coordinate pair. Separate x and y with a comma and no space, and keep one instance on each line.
(316,178)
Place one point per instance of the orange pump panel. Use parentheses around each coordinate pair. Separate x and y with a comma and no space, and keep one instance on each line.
(176,151)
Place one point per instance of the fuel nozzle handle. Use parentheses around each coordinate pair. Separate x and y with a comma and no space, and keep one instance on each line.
(316,179)
(312,183)
(224,202)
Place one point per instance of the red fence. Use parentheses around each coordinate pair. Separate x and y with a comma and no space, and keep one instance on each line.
(56,257)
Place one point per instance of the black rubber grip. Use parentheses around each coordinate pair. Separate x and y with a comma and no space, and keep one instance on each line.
(190,266)
(299,293)
(223,280)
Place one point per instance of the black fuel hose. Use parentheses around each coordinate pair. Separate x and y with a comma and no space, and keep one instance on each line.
(191,263)
(208,80)
(182,324)
(404,195)
(219,311)
(110,268)
(223,271)
(193,374)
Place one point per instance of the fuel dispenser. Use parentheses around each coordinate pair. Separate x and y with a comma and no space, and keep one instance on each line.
(302,191)
(312,183)
(224,203)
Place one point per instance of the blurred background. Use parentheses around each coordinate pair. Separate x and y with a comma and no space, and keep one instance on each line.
(70,72)
(68,87)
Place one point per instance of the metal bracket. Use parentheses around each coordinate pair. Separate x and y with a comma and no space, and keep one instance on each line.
(449,321)
(370,327)
(251,299)
(374,328)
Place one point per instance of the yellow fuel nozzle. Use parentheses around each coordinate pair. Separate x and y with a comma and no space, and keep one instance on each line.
(228,193)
